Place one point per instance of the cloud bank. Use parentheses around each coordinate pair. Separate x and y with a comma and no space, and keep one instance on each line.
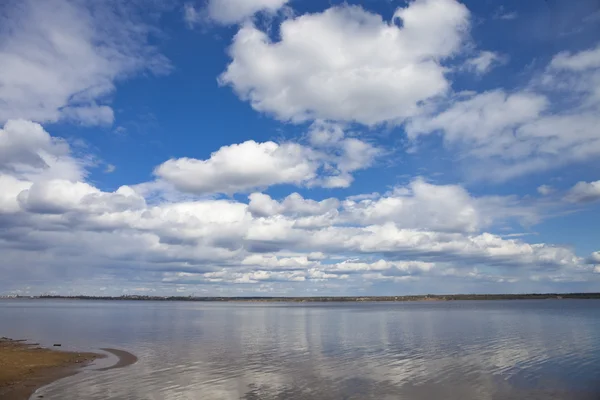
(62,228)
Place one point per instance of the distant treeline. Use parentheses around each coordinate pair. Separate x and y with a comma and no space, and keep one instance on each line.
(429,297)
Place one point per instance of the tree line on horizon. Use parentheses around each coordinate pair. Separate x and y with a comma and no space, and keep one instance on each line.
(427,297)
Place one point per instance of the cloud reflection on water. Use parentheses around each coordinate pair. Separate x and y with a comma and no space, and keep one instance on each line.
(491,350)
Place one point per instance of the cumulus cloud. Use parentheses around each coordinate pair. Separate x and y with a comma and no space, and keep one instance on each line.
(61,226)
(297,211)
(60,58)
(230,12)
(11,189)
(27,151)
(361,69)
(262,205)
(584,192)
(250,165)
(385,267)
(527,130)
(241,167)
(422,205)
(418,205)
(54,196)
(341,154)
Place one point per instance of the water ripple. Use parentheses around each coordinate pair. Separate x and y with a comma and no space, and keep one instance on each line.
(456,350)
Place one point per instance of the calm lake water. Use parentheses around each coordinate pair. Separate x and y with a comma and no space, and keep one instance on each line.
(480,350)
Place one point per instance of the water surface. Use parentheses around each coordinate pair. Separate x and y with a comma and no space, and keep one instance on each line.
(548,349)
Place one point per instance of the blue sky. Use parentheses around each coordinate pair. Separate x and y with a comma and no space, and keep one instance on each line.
(275,147)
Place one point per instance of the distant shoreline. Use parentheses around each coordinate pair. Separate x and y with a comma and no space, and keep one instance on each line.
(429,297)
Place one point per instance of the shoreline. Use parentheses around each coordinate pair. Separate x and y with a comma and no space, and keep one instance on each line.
(324,299)
(26,367)
(124,359)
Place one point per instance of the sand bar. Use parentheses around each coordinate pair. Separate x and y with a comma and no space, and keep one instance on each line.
(125,359)
(25,367)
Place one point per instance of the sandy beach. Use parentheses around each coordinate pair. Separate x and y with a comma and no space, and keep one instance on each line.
(25,367)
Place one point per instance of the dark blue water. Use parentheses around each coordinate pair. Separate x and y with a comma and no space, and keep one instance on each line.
(529,349)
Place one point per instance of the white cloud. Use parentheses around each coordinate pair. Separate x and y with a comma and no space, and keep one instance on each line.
(485,248)
(485,61)
(510,134)
(253,277)
(229,12)
(342,155)
(275,262)
(191,15)
(29,152)
(390,268)
(233,11)
(59,196)
(262,205)
(295,210)
(361,69)
(419,205)
(484,122)
(11,188)
(251,165)
(54,196)
(221,242)
(584,192)
(89,115)
(545,190)
(508,16)
(595,261)
(577,77)
(422,205)
(296,205)
(59,228)
(60,59)
(20,144)
(242,167)
(502,14)
(63,226)
(584,60)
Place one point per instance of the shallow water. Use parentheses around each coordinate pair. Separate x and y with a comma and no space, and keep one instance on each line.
(531,349)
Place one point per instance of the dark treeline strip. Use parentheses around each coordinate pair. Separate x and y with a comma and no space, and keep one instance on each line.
(429,297)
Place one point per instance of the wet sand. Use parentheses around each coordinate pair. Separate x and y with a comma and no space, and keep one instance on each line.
(25,367)
(125,359)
